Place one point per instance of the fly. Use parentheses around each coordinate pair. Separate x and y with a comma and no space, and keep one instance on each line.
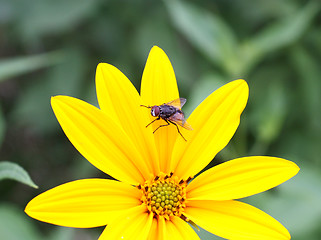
(171,113)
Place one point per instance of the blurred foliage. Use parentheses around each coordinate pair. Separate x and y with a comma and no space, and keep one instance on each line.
(9,170)
(53,47)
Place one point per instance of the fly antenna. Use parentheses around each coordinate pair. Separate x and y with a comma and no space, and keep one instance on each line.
(145,106)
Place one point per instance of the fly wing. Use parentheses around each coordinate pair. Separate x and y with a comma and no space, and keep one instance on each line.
(185,125)
(178,103)
(179,119)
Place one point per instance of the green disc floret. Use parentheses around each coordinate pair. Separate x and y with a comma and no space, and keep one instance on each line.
(164,196)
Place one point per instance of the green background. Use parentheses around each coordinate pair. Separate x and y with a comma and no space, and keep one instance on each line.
(53,47)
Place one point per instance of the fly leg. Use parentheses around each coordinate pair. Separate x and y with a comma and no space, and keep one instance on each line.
(176,127)
(152,122)
(168,123)
(162,125)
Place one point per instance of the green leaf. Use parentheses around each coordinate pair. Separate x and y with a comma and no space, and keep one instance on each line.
(62,233)
(9,170)
(15,225)
(268,107)
(207,32)
(205,85)
(308,70)
(272,112)
(65,233)
(33,103)
(21,65)
(52,17)
(280,34)
(2,126)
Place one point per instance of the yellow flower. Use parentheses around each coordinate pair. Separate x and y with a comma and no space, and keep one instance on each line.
(153,199)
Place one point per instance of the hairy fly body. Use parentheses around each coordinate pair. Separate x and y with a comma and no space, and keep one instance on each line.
(171,113)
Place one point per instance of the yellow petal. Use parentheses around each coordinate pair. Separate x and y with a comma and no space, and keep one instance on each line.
(157,231)
(135,224)
(84,203)
(154,233)
(119,98)
(235,220)
(159,86)
(175,228)
(240,178)
(214,122)
(100,140)
(179,229)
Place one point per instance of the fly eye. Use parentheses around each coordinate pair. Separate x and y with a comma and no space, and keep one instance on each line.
(155,111)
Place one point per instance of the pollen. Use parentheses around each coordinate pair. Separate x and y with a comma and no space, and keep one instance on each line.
(164,196)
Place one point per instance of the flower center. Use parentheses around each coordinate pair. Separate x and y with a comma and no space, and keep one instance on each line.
(164,195)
